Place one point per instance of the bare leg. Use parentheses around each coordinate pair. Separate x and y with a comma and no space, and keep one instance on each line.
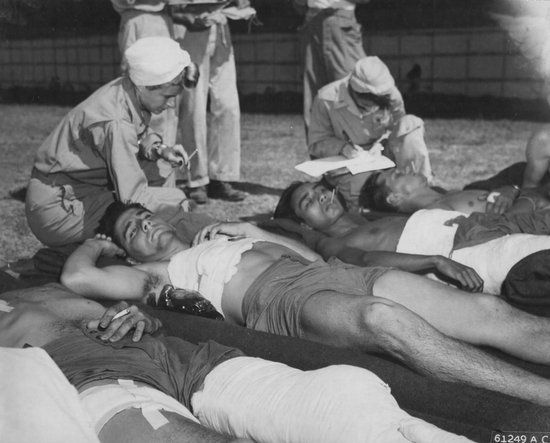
(130,426)
(377,324)
(480,319)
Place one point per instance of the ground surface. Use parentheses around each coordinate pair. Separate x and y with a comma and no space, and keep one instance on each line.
(461,151)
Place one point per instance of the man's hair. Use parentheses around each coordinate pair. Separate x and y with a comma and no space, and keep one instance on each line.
(112,214)
(383,101)
(374,195)
(189,79)
(284,206)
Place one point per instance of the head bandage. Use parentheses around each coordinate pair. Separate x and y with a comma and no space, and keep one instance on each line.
(155,60)
(371,75)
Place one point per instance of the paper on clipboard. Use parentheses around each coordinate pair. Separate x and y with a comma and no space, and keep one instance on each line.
(365,161)
(198,2)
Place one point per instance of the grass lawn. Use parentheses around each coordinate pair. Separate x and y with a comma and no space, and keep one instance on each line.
(461,151)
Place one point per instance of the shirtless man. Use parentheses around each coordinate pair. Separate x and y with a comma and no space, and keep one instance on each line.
(92,349)
(395,191)
(489,243)
(269,287)
(45,316)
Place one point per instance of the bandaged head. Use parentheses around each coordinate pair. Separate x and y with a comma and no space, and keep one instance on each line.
(155,60)
(371,75)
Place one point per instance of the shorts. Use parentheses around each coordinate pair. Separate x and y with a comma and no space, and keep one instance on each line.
(274,302)
(169,364)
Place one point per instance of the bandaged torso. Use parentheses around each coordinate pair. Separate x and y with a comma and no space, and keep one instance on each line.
(206,268)
(426,233)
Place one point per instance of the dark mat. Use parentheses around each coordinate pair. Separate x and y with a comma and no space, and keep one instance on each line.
(465,410)
(457,408)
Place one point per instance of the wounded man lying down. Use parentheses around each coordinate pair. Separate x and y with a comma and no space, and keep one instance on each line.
(141,388)
(491,244)
(271,284)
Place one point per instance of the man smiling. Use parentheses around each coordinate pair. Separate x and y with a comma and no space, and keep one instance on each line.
(489,243)
(268,283)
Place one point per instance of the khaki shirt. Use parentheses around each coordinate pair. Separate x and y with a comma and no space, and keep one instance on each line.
(334,117)
(96,144)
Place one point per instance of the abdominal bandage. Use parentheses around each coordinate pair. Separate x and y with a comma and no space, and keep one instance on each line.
(271,402)
(105,401)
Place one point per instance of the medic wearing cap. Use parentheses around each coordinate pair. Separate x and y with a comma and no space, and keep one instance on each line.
(363,110)
(103,150)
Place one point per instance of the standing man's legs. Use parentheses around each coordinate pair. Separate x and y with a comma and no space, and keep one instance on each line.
(224,135)
(192,116)
(217,78)
(331,44)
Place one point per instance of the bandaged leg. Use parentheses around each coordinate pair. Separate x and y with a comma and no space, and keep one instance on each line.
(105,401)
(271,402)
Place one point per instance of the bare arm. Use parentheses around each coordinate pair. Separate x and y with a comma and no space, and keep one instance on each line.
(466,277)
(129,180)
(244,229)
(538,158)
(81,274)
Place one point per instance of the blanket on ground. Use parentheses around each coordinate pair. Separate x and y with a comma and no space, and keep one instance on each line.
(464,410)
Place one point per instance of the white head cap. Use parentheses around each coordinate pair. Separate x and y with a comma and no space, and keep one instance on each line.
(155,60)
(371,74)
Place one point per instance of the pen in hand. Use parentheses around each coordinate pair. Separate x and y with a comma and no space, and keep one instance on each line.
(350,149)
(347,137)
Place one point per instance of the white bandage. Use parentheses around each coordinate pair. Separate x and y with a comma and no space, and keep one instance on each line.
(5,306)
(271,402)
(155,60)
(105,401)
(492,197)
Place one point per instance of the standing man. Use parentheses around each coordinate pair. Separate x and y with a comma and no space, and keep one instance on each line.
(331,43)
(203,30)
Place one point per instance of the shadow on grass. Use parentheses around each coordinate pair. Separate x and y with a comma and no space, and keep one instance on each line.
(258,218)
(19,194)
(256,189)
(252,188)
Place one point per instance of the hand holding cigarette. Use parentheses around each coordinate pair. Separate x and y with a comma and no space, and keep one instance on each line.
(131,319)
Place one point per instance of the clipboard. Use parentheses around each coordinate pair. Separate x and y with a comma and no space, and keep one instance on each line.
(364,162)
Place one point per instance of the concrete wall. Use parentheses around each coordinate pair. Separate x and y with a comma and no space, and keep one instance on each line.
(472,62)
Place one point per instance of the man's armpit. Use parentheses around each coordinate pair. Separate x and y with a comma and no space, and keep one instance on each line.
(151,289)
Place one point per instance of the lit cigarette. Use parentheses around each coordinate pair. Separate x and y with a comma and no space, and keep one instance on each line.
(332,194)
(192,155)
(121,313)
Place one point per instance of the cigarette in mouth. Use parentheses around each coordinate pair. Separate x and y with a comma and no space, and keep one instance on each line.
(121,313)
(332,195)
